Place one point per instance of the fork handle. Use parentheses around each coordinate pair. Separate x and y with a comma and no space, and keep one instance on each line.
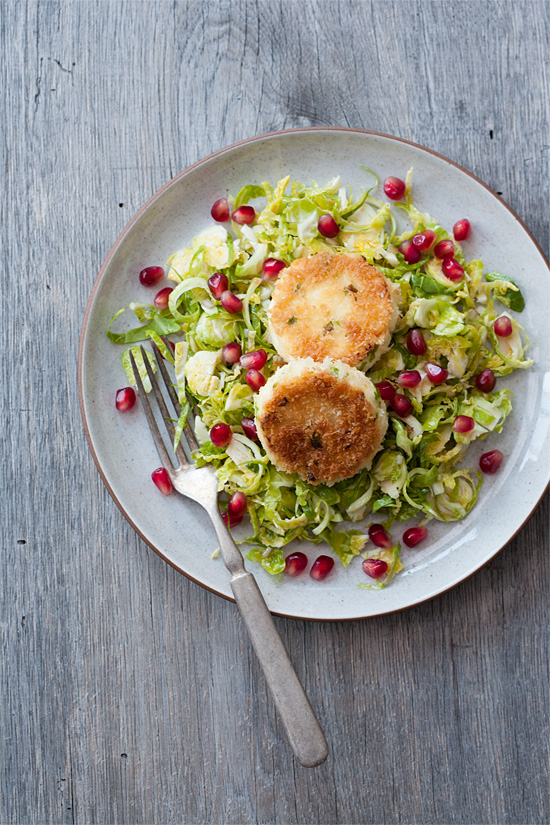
(302,728)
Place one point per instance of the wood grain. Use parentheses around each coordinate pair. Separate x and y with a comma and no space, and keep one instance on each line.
(130,694)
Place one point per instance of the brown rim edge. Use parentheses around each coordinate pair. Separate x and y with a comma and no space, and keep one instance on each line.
(114,249)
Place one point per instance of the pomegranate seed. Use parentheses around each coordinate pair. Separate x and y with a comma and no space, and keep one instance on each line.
(328,227)
(220,211)
(254,360)
(452,269)
(295,563)
(386,390)
(436,374)
(424,240)
(162,480)
(254,379)
(321,567)
(125,399)
(463,424)
(380,536)
(409,378)
(401,405)
(231,521)
(491,461)
(415,342)
(271,268)
(375,568)
(151,275)
(462,229)
(394,188)
(244,214)
(249,427)
(162,297)
(230,302)
(218,284)
(220,435)
(237,505)
(232,352)
(410,252)
(444,249)
(414,535)
(503,326)
(486,380)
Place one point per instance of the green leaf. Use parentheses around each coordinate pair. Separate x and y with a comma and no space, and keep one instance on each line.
(248,193)
(346,545)
(159,324)
(274,563)
(182,421)
(384,501)
(513,298)
(423,285)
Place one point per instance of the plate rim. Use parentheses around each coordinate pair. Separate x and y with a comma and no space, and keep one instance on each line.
(99,278)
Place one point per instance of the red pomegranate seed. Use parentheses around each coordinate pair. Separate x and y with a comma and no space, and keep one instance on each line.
(232,352)
(295,563)
(254,360)
(218,284)
(410,252)
(237,505)
(321,567)
(462,229)
(231,303)
(220,435)
(463,424)
(125,399)
(415,342)
(401,405)
(409,378)
(380,536)
(249,428)
(486,380)
(452,269)
(244,214)
(271,268)
(328,227)
(444,249)
(503,326)
(220,211)
(394,188)
(386,390)
(151,275)
(414,535)
(436,374)
(424,240)
(375,568)
(162,297)
(231,521)
(491,461)
(254,379)
(162,480)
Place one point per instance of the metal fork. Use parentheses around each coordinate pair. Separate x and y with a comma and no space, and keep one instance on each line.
(201,485)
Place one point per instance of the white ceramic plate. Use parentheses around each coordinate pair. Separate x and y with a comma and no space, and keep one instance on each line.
(122,447)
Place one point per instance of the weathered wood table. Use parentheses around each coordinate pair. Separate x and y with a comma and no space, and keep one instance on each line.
(130,695)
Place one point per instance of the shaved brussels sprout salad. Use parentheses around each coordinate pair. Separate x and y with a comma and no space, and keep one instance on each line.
(446,334)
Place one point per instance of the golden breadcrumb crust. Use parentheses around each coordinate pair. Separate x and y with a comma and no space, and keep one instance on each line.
(319,426)
(331,306)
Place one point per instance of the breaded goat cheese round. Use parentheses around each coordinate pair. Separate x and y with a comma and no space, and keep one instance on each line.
(333,305)
(321,420)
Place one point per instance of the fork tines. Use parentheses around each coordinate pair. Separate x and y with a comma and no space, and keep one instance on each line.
(166,415)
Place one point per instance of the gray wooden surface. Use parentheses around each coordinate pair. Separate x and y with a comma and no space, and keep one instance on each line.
(130,695)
